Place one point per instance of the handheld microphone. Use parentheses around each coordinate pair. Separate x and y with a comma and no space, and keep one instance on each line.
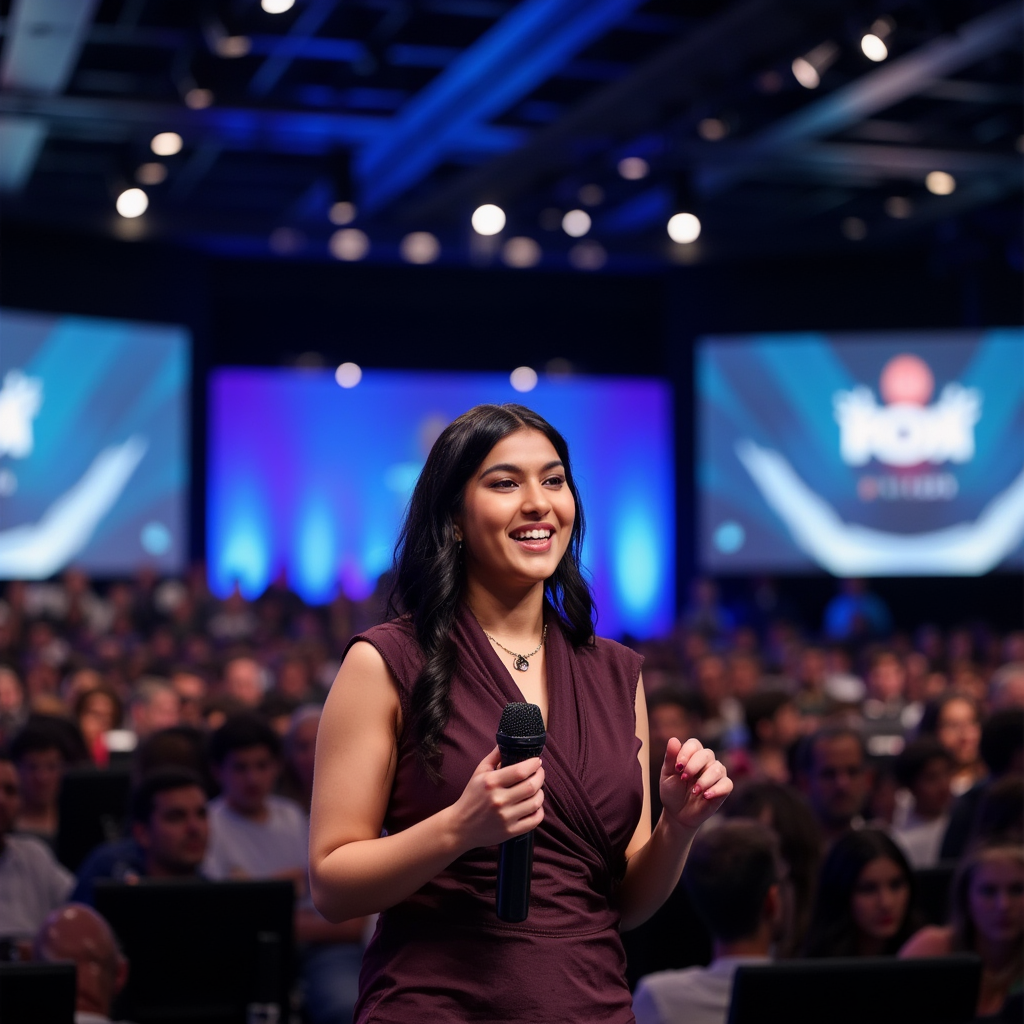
(520,736)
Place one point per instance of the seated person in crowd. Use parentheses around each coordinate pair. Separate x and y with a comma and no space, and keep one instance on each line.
(169,834)
(733,876)
(987,918)
(40,755)
(924,769)
(1002,750)
(77,933)
(773,725)
(154,706)
(954,719)
(32,883)
(864,904)
(833,774)
(670,712)
(256,834)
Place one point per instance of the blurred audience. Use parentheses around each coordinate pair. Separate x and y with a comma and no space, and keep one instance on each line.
(833,774)
(924,770)
(40,754)
(735,877)
(955,721)
(78,934)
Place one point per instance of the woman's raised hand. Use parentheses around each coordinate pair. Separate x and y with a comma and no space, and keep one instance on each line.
(693,783)
(499,803)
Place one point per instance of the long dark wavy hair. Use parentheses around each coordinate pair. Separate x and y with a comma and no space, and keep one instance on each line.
(833,931)
(430,573)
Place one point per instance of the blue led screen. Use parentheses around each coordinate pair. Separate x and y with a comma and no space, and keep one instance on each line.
(312,479)
(888,454)
(93,445)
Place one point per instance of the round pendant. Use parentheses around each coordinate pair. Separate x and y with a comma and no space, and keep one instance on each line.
(520,664)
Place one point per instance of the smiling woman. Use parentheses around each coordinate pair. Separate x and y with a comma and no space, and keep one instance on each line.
(410,799)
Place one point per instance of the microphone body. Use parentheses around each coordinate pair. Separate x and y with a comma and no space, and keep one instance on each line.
(520,736)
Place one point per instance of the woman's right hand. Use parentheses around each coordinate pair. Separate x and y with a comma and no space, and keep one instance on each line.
(499,803)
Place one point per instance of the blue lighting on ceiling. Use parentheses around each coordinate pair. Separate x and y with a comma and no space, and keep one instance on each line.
(312,480)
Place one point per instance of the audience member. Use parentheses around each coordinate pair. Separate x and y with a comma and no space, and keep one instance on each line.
(670,712)
(781,809)
(39,752)
(32,883)
(734,876)
(865,898)
(987,918)
(192,690)
(245,681)
(833,773)
(97,711)
(856,614)
(723,717)
(154,706)
(773,727)
(169,834)
(13,709)
(1006,688)
(77,933)
(299,747)
(923,769)
(954,721)
(1002,750)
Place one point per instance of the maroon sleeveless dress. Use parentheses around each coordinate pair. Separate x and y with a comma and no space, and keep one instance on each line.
(442,956)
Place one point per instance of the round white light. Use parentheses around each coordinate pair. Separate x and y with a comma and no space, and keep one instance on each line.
(576,223)
(873,47)
(277,6)
(683,228)
(233,46)
(342,213)
(198,99)
(166,144)
(854,228)
(939,183)
(588,255)
(151,174)
(349,244)
(712,129)
(419,247)
(523,378)
(521,252)
(132,202)
(806,73)
(488,219)
(633,168)
(348,375)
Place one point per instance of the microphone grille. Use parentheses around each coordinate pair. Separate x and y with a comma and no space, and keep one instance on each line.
(521,720)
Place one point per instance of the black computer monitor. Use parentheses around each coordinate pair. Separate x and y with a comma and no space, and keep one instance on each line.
(201,952)
(857,990)
(93,807)
(37,993)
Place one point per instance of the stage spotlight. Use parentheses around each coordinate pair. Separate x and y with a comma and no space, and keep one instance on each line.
(198,99)
(166,144)
(342,213)
(132,202)
(576,223)
(633,168)
(488,219)
(873,47)
(348,375)
(809,68)
(939,183)
(419,247)
(349,244)
(277,6)
(523,378)
(712,129)
(684,228)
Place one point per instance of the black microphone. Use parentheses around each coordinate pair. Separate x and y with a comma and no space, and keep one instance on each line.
(520,736)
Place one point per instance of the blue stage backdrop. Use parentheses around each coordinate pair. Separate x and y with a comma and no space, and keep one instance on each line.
(93,445)
(313,479)
(889,454)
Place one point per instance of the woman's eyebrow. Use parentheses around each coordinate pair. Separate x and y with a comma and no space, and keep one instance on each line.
(508,467)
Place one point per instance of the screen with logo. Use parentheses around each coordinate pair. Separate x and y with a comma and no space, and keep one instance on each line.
(310,480)
(93,445)
(887,454)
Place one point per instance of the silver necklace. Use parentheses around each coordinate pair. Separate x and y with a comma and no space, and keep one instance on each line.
(521,663)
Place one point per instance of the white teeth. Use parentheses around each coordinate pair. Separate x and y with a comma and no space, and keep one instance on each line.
(533,535)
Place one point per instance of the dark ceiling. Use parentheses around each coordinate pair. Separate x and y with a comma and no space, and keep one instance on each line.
(417,111)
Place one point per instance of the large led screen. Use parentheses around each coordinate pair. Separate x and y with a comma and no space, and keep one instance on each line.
(93,445)
(892,454)
(312,479)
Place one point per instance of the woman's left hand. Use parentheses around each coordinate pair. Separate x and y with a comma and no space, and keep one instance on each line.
(693,783)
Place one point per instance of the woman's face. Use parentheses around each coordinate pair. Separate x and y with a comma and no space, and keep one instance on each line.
(517,513)
(98,716)
(880,899)
(995,899)
(959,731)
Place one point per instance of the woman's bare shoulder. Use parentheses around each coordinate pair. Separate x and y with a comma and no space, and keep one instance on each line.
(932,940)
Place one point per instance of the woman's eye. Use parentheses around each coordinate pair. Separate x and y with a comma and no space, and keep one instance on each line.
(555,481)
(503,485)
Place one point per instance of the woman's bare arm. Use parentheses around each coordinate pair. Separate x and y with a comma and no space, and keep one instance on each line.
(353,870)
